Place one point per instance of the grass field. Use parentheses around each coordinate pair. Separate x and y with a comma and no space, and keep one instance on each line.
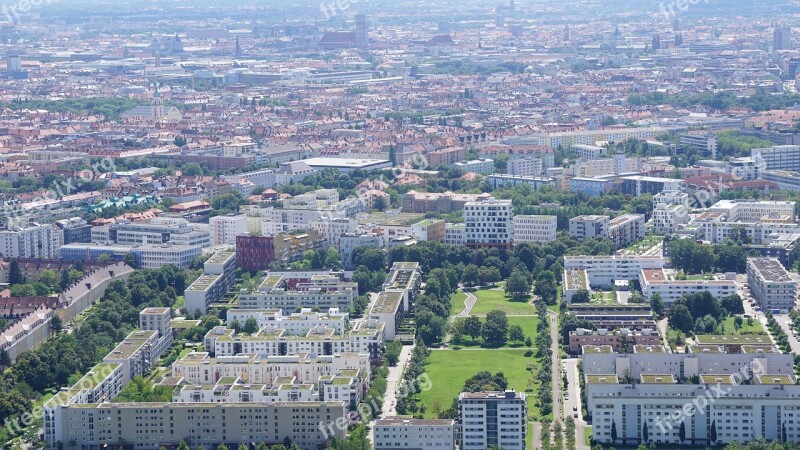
(755,328)
(490,300)
(587,435)
(457,302)
(449,369)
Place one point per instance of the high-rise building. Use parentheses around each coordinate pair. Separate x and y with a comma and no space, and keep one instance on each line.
(493,419)
(362,32)
(782,38)
(13,64)
(488,223)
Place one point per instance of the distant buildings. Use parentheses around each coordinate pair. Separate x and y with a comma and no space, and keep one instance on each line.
(779,157)
(224,229)
(421,434)
(782,38)
(589,227)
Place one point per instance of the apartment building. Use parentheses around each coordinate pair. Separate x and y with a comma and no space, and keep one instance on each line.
(137,353)
(321,291)
(668,218)
(586,151)
(743,412)
(332,229)
(754,211)
(295,324)
(618,339)
(772,285)
(588,137)
(395,433)
(157,319)
(199,368)
(589,227)
(704,141)
(224,229)
(637,185)
(445,156)
(779,157)
(219,275)
(626,229)
(483,166)
(454,233)
(590,186)
(158,231)
(146,256)
(98,425)
(602,271)
(534,228)
(671,198)
(525,167)
(508,181)
(498,419)
(350,241)
(658,281)
(405,278)
(444,202)
(389,308)
(30,241)
(366,336)
(488,223)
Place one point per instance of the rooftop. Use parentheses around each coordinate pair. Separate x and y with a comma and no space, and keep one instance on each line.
(658,379)
(602,379)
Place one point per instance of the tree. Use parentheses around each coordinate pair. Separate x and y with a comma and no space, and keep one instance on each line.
(183,445)
(581,296)
(333,260)
(179,141)
(738,322)
(222,447)
(15,273)
(5,360)
(489,275)
(250,325)
(191,169)
(65,282)
(472,327)
(732,303)
(130,259)
(515,333)
(471,275)
(657,304)
(55,324)
(645,433)
(495,329)
(518,285)
(372,258)
(227,203)
(682,432)
(49,278)
(380,204)
(457,331)
(23,290)
(614,432)
(680,318)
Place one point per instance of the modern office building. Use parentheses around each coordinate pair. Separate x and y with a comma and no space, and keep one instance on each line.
(637,185)
(626,229)
(658,281)
(590,186)
(586,151)
(534,228)
(224,229)
(493,419)
(602,271)
(668,217)
(779,157)
(704,141)
(525,167)
(771,284)
(280,292)
(454,233)
(488,223)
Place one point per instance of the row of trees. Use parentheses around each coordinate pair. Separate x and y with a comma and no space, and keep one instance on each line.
(545,358)
(411,384)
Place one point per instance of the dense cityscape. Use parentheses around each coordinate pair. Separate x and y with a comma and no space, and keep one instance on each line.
(399,225)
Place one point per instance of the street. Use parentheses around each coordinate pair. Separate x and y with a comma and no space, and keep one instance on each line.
(572,405)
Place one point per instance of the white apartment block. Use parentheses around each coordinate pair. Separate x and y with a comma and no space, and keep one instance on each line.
(772,285)
(137,353)
(602,271)
(588,227)
(741,412)
(780,157)
(753,211)
(224,229)
(157,319)
(488,223)
(671,198)
(588,151)
(590,137)
(626,229)
(454,233)
(332,229)
(534,228)
(493,419)
(366,336)
(349,242)
(295,324)
(525,167)
(318,199)
(29,241)
(218,277)
(657,281)
(396,433)
(706,142)
(320,291)
(200,368)
(668,217)
(483,166)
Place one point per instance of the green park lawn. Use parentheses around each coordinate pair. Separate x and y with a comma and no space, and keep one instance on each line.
(457,302)
(449,369)
(493,299)
(755,328)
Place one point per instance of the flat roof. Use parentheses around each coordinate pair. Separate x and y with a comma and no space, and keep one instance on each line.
(774,379)
(347,163)
(738,339)
(602,379)
(658,379)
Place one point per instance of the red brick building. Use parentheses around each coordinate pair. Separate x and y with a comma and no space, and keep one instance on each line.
(254,253)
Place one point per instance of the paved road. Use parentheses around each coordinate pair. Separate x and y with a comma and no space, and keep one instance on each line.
(662,330)
(784,321)
(469,302)
(393,381)
(573,405)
